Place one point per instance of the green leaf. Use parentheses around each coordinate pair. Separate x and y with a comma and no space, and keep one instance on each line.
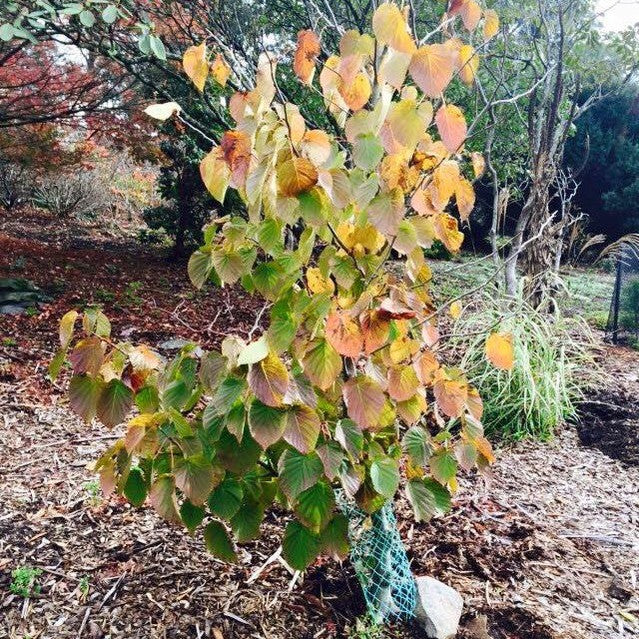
(428,498)
(322,364)
(282,329)
(218,542)
(350,436)
(212,366)
(266,423)
(192,516)
(334,538)
(6,32)
(55,365)
(228,392)
(196,477)
(298,472)
(135,489)
(110,14)
(147,400)
(87,18)
(315,506)
(367,151)
(226,499)
(199,268)
(246,522)
(300,546)
(253,353)
(238,458)
(83,396)
(443,465)
(157,47)
(114,403)
(416,443)
(385,476)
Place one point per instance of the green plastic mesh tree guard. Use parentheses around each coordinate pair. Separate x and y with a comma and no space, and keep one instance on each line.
(380,561)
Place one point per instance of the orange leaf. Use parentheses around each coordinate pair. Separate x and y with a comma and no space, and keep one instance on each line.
(308,48)
(344,335)
(375,330)
(236,147)
(432,68)
(499,351)
(364,401)
(450,396)
(470,14)
(357,92)
(195,65)
(402,383)
(296,176)
(451,125)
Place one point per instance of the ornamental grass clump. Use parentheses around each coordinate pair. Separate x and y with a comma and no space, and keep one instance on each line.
(553,365)
(344,389)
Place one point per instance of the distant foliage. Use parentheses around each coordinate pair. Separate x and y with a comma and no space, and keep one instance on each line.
(345,388)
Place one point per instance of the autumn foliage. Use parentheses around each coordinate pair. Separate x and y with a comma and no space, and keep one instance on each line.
(344,388)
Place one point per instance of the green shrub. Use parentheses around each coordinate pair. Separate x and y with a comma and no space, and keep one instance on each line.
(553,365)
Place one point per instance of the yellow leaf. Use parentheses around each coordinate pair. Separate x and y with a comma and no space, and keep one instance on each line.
(432,68)
(308,48)
(354,42)
(390,28)
(468,63)
(317,283)
(455,309)
(445,180)
(491,24)
(394,68)
(448,232)
(220,70)
(357,92)
(403,128)
(499,350)
(465,197)
(195,65)
(295,176)
(216,174)
(451,125)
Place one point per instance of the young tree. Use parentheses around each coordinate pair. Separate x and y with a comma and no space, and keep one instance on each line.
(344,388)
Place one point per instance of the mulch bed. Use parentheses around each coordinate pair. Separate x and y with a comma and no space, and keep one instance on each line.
(547,548)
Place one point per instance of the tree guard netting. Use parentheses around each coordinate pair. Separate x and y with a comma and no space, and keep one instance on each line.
(623,319)
(380,562)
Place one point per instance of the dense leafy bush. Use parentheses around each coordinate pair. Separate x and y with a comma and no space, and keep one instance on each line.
(547,379)
(344,389)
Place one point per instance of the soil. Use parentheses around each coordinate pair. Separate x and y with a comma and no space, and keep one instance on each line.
(546,548)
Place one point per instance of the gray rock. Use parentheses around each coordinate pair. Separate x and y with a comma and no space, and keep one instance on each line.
(439,608)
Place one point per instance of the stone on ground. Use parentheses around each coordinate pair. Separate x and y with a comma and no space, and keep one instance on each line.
(439,608)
